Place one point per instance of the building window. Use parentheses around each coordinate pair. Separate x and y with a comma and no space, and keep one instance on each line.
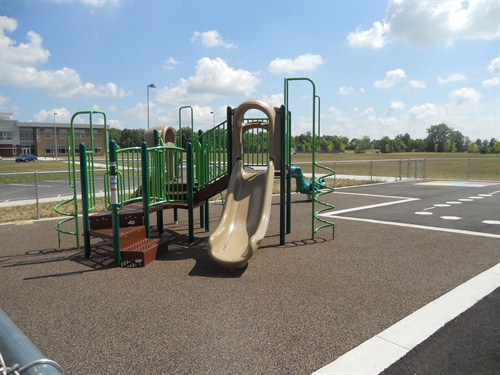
(47,133)
(63,133)
(80,134)
(26,135)
(62,149)
(98,150)
(96,134)
(49,150)
(5,136)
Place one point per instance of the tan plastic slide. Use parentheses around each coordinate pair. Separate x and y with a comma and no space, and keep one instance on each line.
(248,201)
(245,218)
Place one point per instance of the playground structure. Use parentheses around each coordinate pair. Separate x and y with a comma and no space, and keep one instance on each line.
(242,155)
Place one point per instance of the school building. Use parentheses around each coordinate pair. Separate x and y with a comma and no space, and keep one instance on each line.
(45,139)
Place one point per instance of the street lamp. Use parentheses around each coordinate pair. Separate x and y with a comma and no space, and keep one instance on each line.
(213,113)
(151,85)
(55,135)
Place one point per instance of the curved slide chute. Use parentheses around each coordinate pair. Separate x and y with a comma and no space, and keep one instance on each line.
(245,217)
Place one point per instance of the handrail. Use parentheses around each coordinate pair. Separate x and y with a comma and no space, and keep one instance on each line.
(72,171)
(315,195)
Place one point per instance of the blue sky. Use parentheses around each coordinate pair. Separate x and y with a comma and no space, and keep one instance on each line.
(379,67)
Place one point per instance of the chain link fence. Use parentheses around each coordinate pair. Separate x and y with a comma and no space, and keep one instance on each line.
(32,195)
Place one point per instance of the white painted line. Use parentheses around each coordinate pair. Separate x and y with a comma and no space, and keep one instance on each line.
(476,197)
(441,205)
(31,185)
(334,213)
(423,213)
(484,195)
(414,226)
(451,218)
(453,202)
(382,350)
(465,200)
(374,195)
(492,222)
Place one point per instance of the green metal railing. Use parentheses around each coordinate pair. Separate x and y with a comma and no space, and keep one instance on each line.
(69,208)
(317,222)
(211,157)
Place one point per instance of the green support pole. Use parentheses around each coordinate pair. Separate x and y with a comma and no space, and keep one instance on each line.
(159,214)
(288,175)
(229,140)
(190,195)
(282,178)
(85,198)
(145,187)
(115,218)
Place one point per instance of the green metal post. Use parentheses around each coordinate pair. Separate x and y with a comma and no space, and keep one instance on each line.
(85,198)
(229,113)
(282,167)
(190,195)
(145,187)
(289,176)
(115,218)
(313,140)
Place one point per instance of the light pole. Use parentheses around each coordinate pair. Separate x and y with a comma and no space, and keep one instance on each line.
(213,113)
(55,135)
(151,85)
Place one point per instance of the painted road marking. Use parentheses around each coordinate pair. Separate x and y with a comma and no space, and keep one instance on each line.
(423,213)
(416,226)
(492,222)
(450,218)
(441,205)
(458,183)
(336,214)
(382,350)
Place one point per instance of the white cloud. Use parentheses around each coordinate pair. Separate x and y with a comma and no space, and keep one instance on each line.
(306,62)
(63,115)
(19,68)
(367,111)
(392,77)
(418,84)
(396,106)
(465,96)
(170,64)
(211,39)
(452,78)
(429,22)
(374,38)
(493,68)
(344,91)
(424,111)
(495,81)
(212,78)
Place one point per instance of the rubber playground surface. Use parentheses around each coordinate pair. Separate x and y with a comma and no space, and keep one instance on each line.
(295,309)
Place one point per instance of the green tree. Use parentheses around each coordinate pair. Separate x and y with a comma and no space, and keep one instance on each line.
(436,137)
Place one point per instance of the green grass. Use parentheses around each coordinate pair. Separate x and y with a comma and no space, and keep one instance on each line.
(436,165)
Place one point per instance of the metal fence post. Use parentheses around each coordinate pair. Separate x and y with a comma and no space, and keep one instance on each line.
(371,170)
(400,169)
(468,169)
(37,198)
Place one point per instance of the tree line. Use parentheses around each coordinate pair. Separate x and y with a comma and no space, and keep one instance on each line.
(440,138)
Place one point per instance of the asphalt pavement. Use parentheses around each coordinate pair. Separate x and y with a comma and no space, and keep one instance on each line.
(293,310)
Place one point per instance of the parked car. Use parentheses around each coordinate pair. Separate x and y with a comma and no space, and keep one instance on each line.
(26,158)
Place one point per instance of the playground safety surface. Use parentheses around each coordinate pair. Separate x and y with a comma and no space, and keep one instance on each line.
(293,310)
